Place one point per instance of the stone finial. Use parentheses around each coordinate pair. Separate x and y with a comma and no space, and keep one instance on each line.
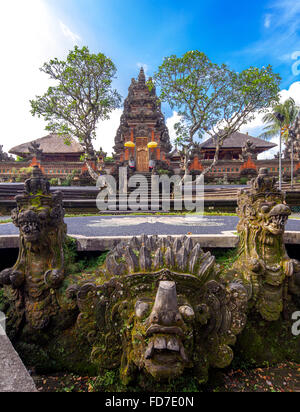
(37,183)
(142,77)
(264,182)
(34,149)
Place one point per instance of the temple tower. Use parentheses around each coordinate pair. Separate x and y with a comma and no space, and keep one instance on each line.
(142,122)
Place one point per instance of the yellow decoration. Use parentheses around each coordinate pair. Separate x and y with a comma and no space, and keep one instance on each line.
(152,145)
(129,144)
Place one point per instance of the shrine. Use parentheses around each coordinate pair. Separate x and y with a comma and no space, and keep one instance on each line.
(51,148)
(142,135)
(237,146)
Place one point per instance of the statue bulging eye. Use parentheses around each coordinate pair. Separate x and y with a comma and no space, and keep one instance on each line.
(187,312)
(265,209)
(141,309)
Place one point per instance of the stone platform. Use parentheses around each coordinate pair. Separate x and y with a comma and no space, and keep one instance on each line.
(13,374)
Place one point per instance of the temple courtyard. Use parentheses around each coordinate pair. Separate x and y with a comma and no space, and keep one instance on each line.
(137,225)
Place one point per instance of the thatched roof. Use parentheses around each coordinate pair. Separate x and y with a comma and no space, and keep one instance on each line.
(238,140)
(51,144)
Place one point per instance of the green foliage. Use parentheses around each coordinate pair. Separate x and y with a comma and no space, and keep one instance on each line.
(90,264)
(110,382)
(26,170)
(212,98)
(243,180)
(225,257)
(83,95)
(83,158)
(53,181)
(289,110)
(109,159)
(2,221)
(69,179)
(106,381)
(264,343)
(70,253)
(74,265)
(20,159)
(163,172)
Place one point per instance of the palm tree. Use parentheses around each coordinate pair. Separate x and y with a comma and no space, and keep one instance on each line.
(280,120)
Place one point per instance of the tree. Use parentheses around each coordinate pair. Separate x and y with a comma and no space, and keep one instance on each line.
(83,96)
(288,109)
(280,120)
(212,99)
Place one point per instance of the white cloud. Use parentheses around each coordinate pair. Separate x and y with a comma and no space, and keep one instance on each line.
(287,10)
(170,122)
(145,67)
(255,128)
(267,22)
(69,34)
(293,91)
(106,132)
(282,36)
(31,34)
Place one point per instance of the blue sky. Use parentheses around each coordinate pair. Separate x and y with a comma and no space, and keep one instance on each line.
(237,33)
(132,33)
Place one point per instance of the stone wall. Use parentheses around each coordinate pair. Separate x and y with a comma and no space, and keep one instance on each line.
(236,169)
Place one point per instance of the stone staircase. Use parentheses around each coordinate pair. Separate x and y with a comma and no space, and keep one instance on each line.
(144,190)
(135,180)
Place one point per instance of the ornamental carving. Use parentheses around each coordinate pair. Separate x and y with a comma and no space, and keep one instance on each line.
(263,265)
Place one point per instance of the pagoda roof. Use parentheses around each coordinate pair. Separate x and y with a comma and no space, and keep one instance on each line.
(51,144)
(175,153)
(238,140)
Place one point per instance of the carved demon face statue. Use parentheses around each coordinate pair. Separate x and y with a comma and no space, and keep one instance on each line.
(32,283)
(276,217)
(162,310)
(35,221)
(164,326)
(263,263)
(31,224)
(174,328)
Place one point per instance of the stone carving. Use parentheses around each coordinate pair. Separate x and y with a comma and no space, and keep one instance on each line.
(4,157)
(142,131)
(34,150)
(263,264)
(32,282)
(157,306)
(249,150)
(141,109)
(161,309)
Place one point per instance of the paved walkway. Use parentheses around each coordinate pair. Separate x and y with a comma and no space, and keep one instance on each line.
(150,225)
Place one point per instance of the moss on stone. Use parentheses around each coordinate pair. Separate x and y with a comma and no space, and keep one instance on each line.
(266,343)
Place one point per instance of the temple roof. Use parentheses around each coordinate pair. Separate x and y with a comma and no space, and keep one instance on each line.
(51,144)
(175,153)
(238,140)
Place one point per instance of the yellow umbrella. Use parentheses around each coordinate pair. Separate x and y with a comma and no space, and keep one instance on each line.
(129,144)
(152,145)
